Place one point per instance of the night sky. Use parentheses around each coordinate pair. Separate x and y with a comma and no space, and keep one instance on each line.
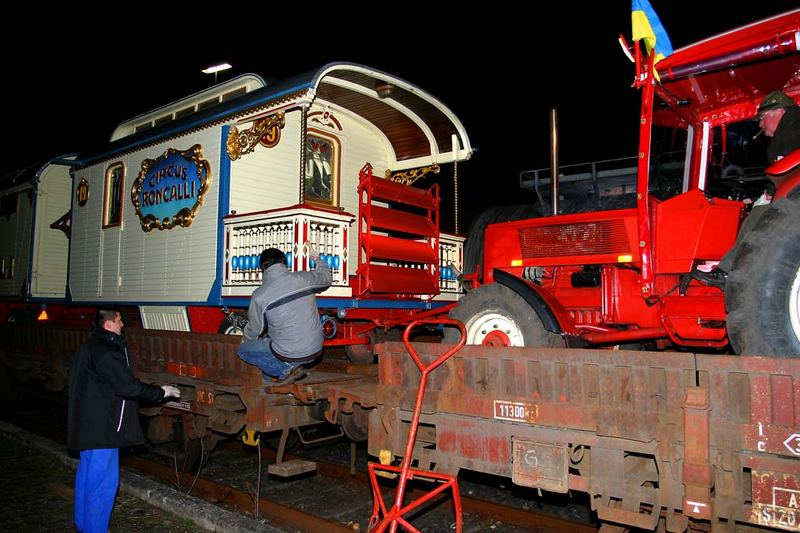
(68,82)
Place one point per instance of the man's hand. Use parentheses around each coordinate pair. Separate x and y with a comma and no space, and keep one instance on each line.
(170,391)
(313,255)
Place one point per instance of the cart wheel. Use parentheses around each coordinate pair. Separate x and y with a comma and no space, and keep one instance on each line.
(233,324)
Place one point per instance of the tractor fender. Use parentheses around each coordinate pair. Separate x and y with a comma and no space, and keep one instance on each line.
(554,317)
(786,172)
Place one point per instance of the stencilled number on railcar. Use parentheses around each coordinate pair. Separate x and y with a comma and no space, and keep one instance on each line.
(183,406)
(204,396)
(515,411)
(784,512)
(779,517)
(512,411)
(792,442)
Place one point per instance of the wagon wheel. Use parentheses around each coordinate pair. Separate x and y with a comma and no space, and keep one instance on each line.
(233,324)
(273,440)
(365,353)
(356,424)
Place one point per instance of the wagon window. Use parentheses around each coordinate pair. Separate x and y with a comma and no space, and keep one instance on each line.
(112,204)
(7,267)
(322,169)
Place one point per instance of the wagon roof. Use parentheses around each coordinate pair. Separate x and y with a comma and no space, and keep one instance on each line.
(417,125)
(26,177)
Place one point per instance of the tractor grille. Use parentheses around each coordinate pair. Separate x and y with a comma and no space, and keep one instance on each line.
(582,238)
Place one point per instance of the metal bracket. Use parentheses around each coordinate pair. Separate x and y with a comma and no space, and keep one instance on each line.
(698,478)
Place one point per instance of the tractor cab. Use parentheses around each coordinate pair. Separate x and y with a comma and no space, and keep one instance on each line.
(641,266)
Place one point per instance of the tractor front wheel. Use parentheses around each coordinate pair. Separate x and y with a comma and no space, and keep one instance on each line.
(495,315)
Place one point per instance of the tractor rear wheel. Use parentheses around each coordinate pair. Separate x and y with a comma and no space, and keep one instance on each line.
(762,292)
(473,246)
(494,315)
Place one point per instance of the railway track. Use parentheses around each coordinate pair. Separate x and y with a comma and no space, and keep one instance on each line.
(342,500)
(331,500)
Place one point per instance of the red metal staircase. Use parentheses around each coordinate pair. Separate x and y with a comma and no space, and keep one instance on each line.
(398,244)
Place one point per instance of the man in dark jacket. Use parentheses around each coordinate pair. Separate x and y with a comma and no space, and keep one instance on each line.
(286,305)
(103,416)
(779,117)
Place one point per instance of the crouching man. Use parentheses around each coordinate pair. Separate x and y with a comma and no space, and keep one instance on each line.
(284,331)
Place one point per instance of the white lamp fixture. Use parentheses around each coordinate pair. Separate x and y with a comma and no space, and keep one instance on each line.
(214,69)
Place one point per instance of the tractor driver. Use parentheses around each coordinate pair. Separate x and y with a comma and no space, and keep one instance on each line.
(779,118)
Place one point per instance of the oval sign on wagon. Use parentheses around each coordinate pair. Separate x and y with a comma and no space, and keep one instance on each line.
(169,189)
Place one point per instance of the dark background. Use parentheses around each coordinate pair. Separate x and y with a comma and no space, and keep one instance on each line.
(70,77)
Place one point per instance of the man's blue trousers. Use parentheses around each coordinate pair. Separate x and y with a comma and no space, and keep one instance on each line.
(95,489)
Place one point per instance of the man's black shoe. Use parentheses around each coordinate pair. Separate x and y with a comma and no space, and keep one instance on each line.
(714,278)
(295,374)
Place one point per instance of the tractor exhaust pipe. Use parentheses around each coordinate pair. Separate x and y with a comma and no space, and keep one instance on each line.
(554,161)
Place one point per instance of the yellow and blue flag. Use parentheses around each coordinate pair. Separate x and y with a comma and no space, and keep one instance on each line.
(647,26)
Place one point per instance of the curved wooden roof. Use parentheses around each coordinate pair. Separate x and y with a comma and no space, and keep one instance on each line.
(416,124)
(420,128)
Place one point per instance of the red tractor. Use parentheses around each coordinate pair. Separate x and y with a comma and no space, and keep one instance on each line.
(644,274)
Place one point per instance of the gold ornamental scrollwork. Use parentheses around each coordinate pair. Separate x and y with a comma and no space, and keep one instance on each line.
(266,131)
(410,176)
